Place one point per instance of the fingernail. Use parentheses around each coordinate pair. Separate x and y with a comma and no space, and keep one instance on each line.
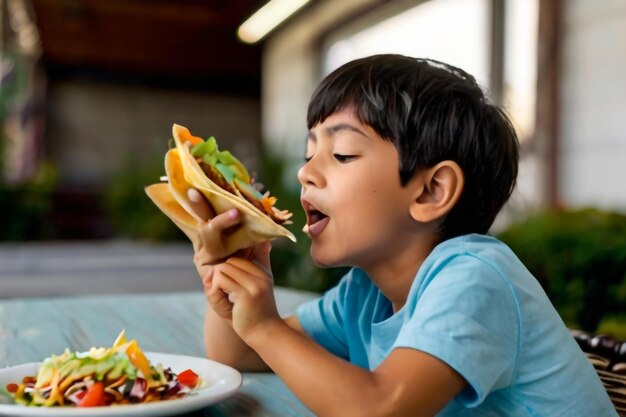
(233,213)
(193,195)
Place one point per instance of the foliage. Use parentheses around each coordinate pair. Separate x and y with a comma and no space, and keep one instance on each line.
(26,207)
(130,210)
(579,257)
(614,325)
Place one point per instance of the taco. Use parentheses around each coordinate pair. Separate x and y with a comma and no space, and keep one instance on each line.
(225,183)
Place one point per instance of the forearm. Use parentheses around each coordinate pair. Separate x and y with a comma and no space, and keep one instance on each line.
(328,385)
(223,345)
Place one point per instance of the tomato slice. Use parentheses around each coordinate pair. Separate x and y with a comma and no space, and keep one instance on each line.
(188,377)
(94,396)
(12,388)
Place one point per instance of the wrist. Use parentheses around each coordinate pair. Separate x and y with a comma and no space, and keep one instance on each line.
(266,333)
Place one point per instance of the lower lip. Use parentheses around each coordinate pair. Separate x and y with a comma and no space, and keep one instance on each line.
(317,228)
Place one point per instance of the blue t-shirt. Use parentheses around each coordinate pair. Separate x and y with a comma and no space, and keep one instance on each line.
(476,307)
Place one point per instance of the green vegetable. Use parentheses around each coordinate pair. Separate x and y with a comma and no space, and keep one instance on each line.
(224,161)
(250,190)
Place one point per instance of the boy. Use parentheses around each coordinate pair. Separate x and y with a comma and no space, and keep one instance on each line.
(406,167)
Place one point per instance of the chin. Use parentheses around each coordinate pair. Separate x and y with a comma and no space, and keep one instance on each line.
(324,260)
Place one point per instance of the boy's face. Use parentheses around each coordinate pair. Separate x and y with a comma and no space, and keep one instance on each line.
(357,210)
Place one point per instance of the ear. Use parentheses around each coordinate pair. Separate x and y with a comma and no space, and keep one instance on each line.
(442,188)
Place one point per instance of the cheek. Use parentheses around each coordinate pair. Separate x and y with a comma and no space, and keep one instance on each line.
(371,204)
(359,202)
(371,211)
(389,203)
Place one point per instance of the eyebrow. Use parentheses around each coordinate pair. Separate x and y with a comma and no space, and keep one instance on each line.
(331,130)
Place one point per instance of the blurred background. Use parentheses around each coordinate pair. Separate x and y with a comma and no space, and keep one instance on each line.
(89,90)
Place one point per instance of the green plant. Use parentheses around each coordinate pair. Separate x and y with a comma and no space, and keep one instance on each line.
(579,257)
(26,207)
(614,325)
(130,210)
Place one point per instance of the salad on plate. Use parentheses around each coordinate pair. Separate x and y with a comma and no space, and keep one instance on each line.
(121,374)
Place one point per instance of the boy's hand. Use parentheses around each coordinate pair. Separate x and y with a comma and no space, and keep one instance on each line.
(199,204)
(212,233)
(210,257)
(210,246)
(242,292)
(210,250)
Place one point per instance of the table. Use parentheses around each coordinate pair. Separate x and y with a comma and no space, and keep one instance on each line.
(33,328)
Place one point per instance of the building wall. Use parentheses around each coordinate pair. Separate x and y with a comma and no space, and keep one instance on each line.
(96,129)
(592,169)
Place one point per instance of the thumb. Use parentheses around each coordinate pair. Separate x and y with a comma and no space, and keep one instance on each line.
(212,234)
(224,221)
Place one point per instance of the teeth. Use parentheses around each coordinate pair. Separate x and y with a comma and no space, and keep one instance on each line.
(305,229)
(164,178)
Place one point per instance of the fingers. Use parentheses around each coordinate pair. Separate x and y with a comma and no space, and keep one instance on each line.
(244,265)
(212,234)
(200,205)
(225,221)
(243,293)
(248,276)
(194,195)
(207,280)
(210,248)
(221,295)
(236,276)
(259,254)
(254,277)
(230,280)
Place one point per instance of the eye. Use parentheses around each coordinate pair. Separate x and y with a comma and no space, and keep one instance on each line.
(308,158)
(343,158)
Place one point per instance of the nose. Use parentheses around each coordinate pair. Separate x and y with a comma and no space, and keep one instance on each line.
(310,174)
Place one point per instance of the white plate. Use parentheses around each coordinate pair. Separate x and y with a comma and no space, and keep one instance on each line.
(219,382)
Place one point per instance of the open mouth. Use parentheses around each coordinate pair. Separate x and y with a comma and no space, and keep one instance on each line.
(316,220)
(314,216)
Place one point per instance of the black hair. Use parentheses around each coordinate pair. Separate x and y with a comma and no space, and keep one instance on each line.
(431,112)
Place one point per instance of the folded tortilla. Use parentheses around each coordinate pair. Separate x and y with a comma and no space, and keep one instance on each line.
(184,172)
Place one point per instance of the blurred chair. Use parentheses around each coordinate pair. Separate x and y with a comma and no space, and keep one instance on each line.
(608,357)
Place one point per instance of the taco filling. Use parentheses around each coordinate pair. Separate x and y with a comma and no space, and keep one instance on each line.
(229,173)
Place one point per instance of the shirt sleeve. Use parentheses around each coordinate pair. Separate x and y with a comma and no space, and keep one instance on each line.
(323,318)
(467,316)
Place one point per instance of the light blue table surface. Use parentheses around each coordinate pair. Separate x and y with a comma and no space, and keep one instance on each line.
(34,328)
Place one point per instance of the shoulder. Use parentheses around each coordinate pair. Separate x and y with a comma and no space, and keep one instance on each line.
(463,309)
(471,263)
(473,273)
(482,248)
(465,288)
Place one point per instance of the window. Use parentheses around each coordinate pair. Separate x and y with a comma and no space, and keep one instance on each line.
(461,33)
